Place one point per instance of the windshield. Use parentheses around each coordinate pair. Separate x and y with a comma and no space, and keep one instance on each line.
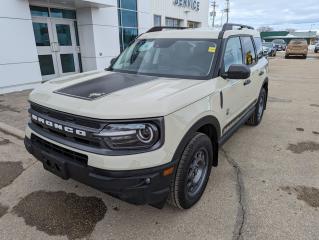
(269,45)
(168,57)
(298,41)
(279,41)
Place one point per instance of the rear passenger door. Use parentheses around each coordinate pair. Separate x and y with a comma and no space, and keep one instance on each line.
(251,85)
(262,66)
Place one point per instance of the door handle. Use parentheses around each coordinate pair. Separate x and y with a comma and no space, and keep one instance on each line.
(261,73)
(247,82)
(55,47)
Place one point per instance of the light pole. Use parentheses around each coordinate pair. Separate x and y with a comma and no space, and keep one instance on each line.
(227,10)
(213,13)
(310,32)
(221,18)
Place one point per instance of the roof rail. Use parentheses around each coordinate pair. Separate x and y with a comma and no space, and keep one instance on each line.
(230,26)
(161,28)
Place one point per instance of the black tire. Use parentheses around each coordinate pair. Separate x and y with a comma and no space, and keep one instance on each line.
(182,195)
(286,56)
(257,116)
(305,56)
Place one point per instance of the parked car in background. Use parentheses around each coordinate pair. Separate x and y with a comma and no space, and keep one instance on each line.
(317,48)
(297,47)
(280,44)
(269,49)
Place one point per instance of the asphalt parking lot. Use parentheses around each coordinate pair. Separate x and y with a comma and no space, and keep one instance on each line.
(266,186)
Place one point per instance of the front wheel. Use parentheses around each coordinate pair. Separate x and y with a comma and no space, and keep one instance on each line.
(192,172)
(257,116)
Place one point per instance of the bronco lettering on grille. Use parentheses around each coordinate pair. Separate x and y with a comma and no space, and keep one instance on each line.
(57,126)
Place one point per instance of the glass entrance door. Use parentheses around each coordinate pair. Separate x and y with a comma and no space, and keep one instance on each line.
(57,46)
(66,48)
(45,46)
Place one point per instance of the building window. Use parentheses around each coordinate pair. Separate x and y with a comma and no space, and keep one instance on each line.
(127,4)
(191,24)
(128,23)
(39,11)
(173,22)
(157,21)
(62,13)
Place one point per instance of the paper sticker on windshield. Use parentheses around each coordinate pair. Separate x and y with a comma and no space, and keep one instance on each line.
(212,49)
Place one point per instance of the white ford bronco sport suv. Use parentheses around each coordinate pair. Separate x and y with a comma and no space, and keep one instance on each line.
(147,129)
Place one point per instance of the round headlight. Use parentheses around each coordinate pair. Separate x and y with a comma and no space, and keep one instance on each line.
(146,135)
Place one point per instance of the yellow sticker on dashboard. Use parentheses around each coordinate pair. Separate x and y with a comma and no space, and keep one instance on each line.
(212,49)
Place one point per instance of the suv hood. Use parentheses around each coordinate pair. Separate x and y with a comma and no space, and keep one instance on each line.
(110,95)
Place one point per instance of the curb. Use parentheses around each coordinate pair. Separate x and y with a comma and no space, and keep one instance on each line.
(7,129)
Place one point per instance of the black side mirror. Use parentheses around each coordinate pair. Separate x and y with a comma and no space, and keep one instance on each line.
(237,71)
(113,60)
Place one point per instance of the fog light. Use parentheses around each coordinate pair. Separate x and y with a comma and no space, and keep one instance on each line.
(147,180)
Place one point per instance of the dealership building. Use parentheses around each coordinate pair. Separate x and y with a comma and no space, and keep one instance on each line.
(45,39)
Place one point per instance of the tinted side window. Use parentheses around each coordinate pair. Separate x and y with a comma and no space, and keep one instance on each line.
(259,47)
(233,53)
(248,50)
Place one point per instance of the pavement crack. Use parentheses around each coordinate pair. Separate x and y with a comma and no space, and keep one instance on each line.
(241,215)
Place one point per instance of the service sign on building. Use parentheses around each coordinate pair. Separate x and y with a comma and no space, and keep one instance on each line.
(190,4)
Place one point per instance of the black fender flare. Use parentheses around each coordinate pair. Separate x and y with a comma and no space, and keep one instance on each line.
(207,120)
(266,81)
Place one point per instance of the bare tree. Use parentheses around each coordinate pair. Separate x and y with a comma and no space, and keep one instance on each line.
(265,29)
(291,30)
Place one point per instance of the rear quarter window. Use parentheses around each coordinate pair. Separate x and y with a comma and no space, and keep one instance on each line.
(298,41)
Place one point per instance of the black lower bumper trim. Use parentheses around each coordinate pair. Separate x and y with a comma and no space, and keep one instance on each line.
(138,187)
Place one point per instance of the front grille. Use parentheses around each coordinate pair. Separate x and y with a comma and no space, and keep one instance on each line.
(91,126)
(68,118)
(83,141)
(57,150)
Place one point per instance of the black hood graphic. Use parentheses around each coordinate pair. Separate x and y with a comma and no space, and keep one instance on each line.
(102,86)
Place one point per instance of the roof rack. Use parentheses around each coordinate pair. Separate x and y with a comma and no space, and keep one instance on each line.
(230,26)
(161,28)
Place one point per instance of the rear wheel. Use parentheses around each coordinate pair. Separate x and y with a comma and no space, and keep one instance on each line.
(192,172)
(286,56)
(257,116)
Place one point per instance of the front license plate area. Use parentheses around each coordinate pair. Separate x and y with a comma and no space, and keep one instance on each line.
(56,166)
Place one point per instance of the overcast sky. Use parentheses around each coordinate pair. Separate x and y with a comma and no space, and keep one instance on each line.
(301,15)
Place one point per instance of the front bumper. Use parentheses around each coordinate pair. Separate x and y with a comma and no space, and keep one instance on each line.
(145,186)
